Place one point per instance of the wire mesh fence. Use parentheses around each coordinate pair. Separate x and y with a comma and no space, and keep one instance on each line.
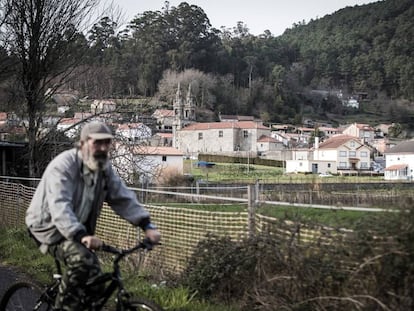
(185,216)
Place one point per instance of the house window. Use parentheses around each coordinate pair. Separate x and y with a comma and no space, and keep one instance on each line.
(245,133)
(164,158)
(352,143)
(220,133)
(342,164)
(364,165)
(352,153)
(200,136)
(342,153)
(329,165)
(364,154)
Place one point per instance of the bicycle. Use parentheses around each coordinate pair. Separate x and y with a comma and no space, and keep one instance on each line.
(26,295)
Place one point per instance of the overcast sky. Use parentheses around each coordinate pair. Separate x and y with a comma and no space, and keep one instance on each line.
(258,15)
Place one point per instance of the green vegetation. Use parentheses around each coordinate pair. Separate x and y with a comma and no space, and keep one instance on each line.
(361,50)
(17,249)
(323,217)
(368,269)
(250,173)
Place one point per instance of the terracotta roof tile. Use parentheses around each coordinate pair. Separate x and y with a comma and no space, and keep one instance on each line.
(225,125)
(336,141)
(396,167)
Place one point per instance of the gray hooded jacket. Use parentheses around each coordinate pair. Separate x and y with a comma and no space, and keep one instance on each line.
(51,216)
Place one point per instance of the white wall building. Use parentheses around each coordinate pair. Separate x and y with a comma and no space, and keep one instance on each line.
(399,161)
(220,137)
(146,164)
(133,132)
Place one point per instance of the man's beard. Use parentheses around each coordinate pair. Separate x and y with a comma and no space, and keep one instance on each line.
(97,162)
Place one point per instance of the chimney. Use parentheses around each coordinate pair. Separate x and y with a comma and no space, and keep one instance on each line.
(316,145)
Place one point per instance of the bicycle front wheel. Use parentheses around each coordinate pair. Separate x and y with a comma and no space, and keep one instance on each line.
(23,296)
(139,304)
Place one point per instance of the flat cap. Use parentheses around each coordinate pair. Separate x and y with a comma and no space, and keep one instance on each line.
(95,130)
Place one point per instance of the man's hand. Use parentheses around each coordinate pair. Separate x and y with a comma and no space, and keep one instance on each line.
(154,235)
(92,242)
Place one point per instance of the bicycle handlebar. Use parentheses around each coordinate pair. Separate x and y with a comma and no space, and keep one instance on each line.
(145,244)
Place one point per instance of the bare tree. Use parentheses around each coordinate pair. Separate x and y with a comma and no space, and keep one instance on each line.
(41,34)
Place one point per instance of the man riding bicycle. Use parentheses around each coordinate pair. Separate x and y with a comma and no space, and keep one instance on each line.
(63,212)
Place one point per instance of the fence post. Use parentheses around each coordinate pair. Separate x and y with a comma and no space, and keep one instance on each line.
(251,194)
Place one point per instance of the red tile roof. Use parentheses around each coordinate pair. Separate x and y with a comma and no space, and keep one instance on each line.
(396,167)
(225,125)
(152,150)
(266,139)
(336,141)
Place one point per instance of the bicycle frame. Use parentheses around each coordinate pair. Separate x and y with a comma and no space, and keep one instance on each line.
(114,277)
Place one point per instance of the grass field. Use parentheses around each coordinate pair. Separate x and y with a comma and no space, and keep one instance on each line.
(249,173)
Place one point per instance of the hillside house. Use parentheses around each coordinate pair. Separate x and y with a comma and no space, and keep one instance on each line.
(147,164)
(164,119)
(347,152)
(133,132)
(162,139)
(362,131)
(329,131)
(70,126)
(220,137)
(102,106)
(399,161)
(382,130)
(336,154)
(351,103)
(267,144)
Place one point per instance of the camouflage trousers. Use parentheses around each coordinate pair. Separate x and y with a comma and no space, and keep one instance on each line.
(81,266)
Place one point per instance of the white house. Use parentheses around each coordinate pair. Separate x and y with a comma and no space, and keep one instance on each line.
(102,106)
(311,166)
(362,131)
(346,152)
(341,152)
(70,127)
(267,143)
(164,119)
(145,164)
(399,161)
(330,131)
(133,131)
(220,137)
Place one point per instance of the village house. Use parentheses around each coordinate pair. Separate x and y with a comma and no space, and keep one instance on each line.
(70,127)
(347,152)
(133,132)
(339,153)
(220,137)
(399,161)
(268,143)
(329,131)
(164,119)
(102,106)
(147,164)
(382,130)
(162,139)
(362,131)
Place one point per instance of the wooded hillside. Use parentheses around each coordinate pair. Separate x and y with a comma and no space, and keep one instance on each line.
(362,51)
